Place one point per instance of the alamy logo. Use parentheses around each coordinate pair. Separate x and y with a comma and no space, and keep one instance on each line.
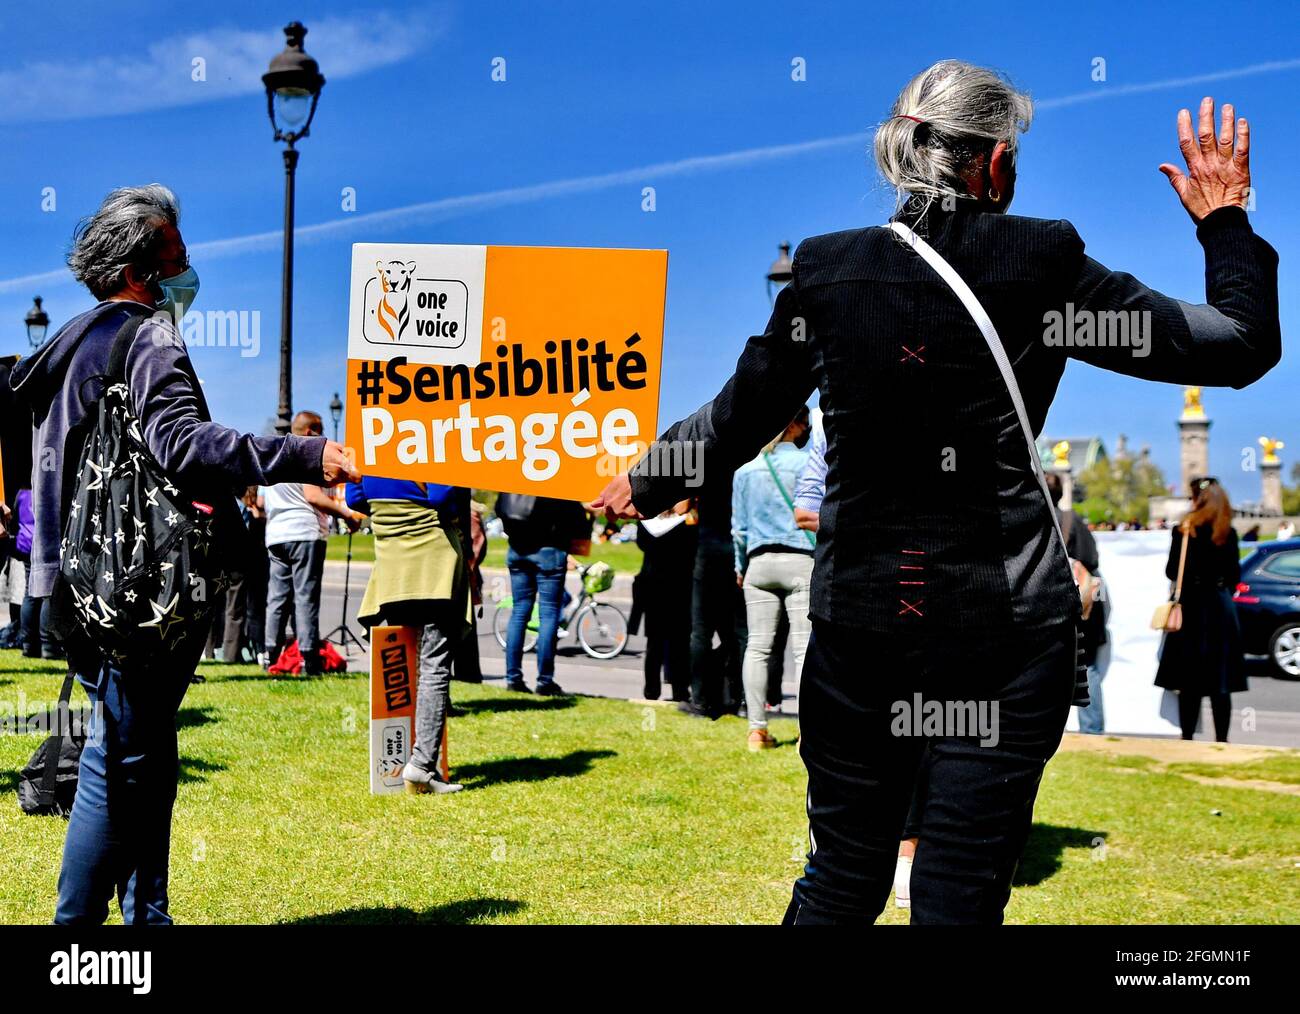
(403,309)
(75,967)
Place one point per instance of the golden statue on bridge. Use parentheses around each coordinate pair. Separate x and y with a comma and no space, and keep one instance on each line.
(1061,455)
(1271,447)
(1192,406)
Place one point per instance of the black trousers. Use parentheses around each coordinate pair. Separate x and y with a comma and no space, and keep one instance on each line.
(864,749)
(1189,713)
(717,607)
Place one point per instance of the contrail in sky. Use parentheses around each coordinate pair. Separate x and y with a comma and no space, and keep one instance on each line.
(451,207)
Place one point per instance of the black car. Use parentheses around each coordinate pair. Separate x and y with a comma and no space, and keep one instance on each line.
(1268,604)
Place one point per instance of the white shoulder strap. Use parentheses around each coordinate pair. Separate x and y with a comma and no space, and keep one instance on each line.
(985,324)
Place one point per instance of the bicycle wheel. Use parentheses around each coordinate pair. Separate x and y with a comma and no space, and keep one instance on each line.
(602,630)
(501,626)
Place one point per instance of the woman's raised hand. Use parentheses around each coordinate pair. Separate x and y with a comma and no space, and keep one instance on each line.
(1218,176)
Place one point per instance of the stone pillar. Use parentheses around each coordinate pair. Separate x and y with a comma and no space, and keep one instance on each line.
(1061,466)
(1067,485)
(1194,439)
(1270,475)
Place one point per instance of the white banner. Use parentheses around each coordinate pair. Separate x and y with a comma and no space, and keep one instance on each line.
(1133,564)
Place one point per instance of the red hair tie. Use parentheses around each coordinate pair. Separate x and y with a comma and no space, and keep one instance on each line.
(912,118)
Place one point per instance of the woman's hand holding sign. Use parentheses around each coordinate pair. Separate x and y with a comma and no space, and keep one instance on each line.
(615,500)
(338,464)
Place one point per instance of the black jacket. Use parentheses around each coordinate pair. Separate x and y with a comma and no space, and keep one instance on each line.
(540,522)
(933,518)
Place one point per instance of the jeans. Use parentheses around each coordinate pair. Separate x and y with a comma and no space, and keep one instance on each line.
(1092,717)
(775,583)
(863,767)
(536,577)
(119,833)
(441,626)
(37,637)
(296,572)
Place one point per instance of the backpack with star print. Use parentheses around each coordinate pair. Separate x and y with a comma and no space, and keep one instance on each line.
(139,568)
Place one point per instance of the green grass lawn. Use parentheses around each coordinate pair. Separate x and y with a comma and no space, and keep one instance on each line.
(588,810)
(624,557)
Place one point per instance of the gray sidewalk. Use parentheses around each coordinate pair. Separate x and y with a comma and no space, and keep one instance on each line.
(1274,705)
(620,677)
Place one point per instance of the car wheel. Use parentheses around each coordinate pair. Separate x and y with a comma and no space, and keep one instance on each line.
(1284,650)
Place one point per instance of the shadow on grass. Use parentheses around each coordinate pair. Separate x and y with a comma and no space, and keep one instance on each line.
(517,702)
(8,782)
(195,718)
(195,769)
(1045,849)
(455,913)
(528,769)
(267,677)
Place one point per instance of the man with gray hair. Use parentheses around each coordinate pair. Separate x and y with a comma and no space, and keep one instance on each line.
(131,257)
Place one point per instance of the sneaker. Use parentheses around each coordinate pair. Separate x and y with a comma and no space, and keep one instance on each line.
(760,739)
(903,883)
(550,689)
(518,686)
(694,710)
(419,782)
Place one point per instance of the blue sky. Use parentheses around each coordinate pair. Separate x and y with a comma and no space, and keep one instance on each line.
(599,101)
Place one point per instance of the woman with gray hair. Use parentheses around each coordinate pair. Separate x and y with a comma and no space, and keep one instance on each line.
(131,257)
(943,605)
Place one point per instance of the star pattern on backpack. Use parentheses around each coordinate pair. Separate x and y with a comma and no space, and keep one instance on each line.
(139,554)
(164,616)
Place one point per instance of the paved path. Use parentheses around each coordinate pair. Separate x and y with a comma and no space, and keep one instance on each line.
(1275,703)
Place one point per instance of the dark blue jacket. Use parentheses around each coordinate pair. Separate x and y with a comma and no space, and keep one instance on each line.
(173,414)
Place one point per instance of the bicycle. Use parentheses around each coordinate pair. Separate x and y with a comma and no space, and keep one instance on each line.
(601,628)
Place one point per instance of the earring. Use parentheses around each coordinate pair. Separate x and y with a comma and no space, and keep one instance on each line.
(994,196)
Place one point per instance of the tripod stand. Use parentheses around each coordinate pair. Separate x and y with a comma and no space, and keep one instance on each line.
(342,635)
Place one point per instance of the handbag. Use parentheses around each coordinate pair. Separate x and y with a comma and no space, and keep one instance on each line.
(1169,615)
(985,324)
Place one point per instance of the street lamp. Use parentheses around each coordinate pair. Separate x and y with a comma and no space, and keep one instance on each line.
(336,413)
(780,273)
(293,85)
(38,322)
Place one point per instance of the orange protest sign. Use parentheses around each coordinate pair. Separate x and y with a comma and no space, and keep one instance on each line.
(519,369)
(394,671)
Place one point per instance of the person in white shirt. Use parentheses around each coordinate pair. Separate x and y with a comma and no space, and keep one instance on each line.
(297,527)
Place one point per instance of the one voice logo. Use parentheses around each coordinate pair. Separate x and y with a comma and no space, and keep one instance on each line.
(76,967)
(403,309)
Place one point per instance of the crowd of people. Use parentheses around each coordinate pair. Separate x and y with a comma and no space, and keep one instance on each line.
(931,564)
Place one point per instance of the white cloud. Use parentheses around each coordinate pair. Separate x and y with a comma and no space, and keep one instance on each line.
(159,75)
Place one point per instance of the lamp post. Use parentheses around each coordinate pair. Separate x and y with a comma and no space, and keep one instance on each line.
(293,85)
(336,413)
(780,273)
(38,323)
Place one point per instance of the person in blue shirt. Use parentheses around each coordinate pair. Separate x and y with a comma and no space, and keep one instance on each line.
(774,563)
(419,580)
(810,490)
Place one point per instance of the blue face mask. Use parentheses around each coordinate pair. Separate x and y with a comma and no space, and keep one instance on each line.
(178,293)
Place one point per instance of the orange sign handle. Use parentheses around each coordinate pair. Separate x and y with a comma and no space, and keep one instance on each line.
(446,763)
